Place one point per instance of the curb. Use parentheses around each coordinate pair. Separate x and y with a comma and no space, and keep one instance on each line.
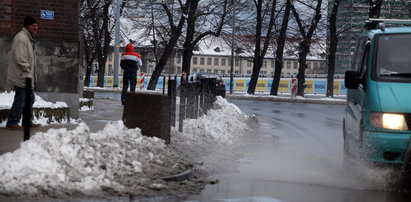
(250,97)
(185,175)
(284,99)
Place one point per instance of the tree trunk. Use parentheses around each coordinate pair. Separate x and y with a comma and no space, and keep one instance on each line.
(89,62)
(333,49)
(304,45)
(258,53)
(188,46)
(162,63)
(375,8)
(176,33)
(304,48)
(191,41)
(103,51)
(280,50)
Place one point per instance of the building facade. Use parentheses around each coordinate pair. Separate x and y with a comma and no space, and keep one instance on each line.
(350,20)
(217,59)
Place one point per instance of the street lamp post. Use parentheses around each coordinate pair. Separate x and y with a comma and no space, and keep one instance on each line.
(232,48)
(116,44)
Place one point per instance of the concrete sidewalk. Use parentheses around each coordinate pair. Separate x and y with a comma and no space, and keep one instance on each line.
(105,110)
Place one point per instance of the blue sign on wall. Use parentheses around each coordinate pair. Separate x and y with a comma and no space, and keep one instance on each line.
(320,86)
(343,89)
(159,82)
(48,15)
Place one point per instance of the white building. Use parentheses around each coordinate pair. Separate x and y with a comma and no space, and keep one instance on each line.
(214,55)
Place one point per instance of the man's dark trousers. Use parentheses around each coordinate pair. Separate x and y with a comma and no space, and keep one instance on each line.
(129,79)
(18,105)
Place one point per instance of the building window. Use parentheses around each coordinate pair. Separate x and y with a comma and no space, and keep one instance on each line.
(209,70)
(237,62)
(308,65)
(201,61)
(208,61)
(194,60)
(229,62)
(178,59)
(195,70)
(322,65)
(249,72)
(288,64)
(215,61)
(315,65)
(295,65)
(216,71)
(110,69)
(222,61)
(236,72)
(201,70)
(222,71)
(249,63)
(265,64)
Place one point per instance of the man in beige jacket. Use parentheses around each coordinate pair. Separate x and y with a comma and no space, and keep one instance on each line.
(22,65)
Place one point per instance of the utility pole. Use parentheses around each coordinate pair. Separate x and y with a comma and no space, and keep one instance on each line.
(116,44)
(232,48)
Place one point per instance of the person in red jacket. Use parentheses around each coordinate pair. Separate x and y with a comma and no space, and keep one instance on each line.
(130,62)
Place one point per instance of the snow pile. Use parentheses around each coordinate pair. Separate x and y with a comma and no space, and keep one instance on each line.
(80,161)
(85,107)
(115,159)
(7,100)
(212,136)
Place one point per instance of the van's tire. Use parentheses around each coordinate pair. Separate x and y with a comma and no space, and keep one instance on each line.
(347,156)
(361,154)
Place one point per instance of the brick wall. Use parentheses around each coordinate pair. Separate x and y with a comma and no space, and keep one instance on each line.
(57,47)
(63,27)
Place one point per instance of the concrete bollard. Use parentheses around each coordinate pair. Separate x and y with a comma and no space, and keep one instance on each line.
(150,113)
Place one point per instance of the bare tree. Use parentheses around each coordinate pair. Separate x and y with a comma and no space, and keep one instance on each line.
(280,49)
(88,13)
(211,16)
(375,8)
(333,48)
(259,52)
(175,31)
(304,44)
(97,35)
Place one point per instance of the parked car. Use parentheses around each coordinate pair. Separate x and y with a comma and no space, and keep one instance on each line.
(220,84)
(377,121)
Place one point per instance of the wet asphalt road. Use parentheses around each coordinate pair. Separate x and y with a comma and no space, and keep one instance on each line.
(296,154)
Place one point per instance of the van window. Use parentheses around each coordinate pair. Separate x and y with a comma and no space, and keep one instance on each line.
(359,53)
(364,62)
(393,57)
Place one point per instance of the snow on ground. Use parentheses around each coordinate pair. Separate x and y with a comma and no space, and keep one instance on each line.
(84,107)
(6,101)
(116,159)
